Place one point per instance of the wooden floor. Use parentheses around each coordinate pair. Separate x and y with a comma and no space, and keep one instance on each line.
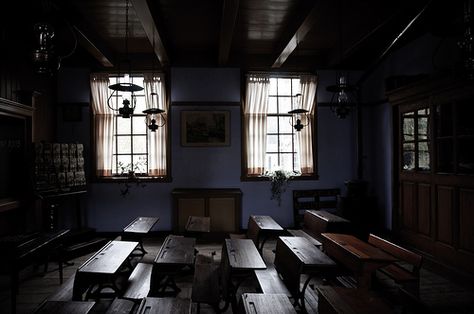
(438,294)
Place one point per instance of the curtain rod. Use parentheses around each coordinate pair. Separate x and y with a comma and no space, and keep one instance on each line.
(277,73)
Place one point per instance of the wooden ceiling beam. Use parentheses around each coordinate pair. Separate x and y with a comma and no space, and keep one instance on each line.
(143,12)
(100,53)
(230,8)
(298,37)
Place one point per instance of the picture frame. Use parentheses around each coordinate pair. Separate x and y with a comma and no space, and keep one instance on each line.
(205,128)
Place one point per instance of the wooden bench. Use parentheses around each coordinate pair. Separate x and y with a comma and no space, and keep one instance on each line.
(408,276)
(316,199)
(205,287)
(346,300)
(138,285)
(270,282)
(65,307)
(64,292)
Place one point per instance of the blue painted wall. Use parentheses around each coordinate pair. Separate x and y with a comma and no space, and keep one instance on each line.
(215,167)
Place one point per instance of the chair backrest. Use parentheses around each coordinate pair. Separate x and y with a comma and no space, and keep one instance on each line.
(397,251)
(317,199)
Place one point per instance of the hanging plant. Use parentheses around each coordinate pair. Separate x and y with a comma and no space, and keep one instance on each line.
(279,183)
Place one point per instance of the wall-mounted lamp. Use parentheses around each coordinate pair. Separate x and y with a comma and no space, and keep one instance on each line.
(153,118)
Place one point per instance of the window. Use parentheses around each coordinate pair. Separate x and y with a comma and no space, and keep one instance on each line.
(416,140)
(130,149)
(282,142)
(271,142)
(125,144)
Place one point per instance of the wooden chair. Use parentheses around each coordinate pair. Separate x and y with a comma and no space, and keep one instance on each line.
(313,199)
(408,277)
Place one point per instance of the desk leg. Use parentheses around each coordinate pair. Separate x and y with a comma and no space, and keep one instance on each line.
(80,284)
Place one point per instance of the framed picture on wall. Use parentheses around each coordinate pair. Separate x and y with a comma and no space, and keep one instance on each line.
(205,128)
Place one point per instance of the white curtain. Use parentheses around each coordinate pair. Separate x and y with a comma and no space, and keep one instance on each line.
(155,83)
(309,85)
(103,123)
(255,122)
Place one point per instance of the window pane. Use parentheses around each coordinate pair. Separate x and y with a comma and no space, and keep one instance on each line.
(124,164)
(272,143)
(123,126)
(286,162)
(139,125)
(296,86)
(140,105)
(271,162)
(408,160)
(272,124)
(124,145)
(284,87)
(139,144)
(272,105)
(284,105)
(285,125)
(408,129)
(423,156)
(116,101)
(273,86)
(139,164)
(423,128)
(286,143)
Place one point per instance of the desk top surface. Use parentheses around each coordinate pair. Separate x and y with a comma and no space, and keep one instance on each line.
(198,224)
(243,254)
(328,216)
(164,305)
(65,307)
(109,258)
(348,300)
(176,250)
(266,223)
(356,247)
(267,303)
(306,252)
(141,225)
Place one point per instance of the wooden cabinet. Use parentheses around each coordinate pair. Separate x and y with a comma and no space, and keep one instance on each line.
(434,168)
(223,206)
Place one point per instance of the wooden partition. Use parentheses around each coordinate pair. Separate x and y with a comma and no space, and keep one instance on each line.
(223,206)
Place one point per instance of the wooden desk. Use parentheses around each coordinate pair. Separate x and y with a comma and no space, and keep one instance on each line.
(176,253)
(266,227)
(24,250)
(198,224)
(348,300)
(239,259)
(65,307)
(320,221)
(295,256)
(360,257)
(137,229)
(267,303)
(102,269)
(165,306)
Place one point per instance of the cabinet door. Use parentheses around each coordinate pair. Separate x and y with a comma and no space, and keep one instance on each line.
(222,213)
(189,207)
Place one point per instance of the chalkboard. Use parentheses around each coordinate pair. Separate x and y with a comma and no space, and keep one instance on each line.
(13,162)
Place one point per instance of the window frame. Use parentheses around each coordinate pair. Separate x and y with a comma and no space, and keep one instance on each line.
(142,177)
(302,177)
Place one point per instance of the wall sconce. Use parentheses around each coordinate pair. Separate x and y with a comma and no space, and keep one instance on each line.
(43,56)
(152,116)
(342,98)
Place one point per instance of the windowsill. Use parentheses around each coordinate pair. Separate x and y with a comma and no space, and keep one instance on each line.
(121,179)
(266,178)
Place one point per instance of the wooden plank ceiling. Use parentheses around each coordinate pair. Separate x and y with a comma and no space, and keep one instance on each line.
(284,35)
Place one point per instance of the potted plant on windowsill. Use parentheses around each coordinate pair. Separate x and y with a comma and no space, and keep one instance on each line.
(279,182)
(128,171)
